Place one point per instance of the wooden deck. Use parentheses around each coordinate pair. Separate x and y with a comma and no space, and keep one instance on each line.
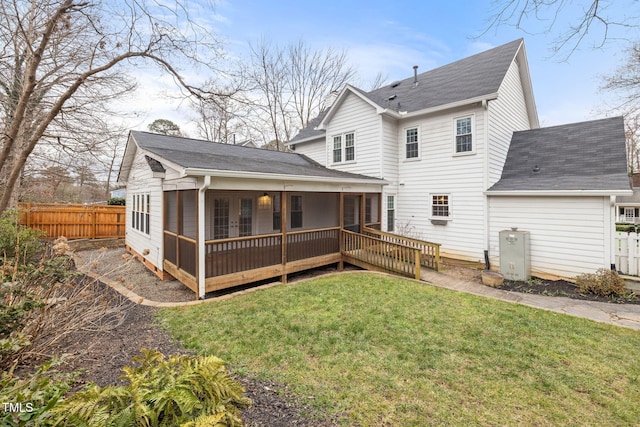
(237,261)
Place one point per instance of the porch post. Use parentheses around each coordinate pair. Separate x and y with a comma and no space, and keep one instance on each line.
(283,230)
(200,241)
(341,217)
(363,205)
(380,209)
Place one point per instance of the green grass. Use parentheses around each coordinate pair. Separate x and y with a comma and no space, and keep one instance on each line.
(376,350)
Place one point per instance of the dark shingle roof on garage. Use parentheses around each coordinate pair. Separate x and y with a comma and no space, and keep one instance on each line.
(586,156)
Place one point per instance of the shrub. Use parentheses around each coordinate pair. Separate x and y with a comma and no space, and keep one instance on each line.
(116,201)
(32,397)
(17,241)
(603,282)
(180,390)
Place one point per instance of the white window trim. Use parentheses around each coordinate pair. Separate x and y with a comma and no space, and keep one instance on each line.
(474,135)
(343,148)
(404,145)
(440,218)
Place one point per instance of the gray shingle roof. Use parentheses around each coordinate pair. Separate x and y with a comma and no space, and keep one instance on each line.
(586,156)
(154,165)
(469,78)
(198,154)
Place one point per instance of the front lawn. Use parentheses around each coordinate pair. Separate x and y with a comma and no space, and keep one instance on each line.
(376,350)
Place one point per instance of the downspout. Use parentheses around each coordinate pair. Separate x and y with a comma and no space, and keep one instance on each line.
(485,184)
(611,233)
(201,236)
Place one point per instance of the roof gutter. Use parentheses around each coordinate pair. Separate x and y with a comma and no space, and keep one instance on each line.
(560,193)
(405,115)
(279,176)
(307,139)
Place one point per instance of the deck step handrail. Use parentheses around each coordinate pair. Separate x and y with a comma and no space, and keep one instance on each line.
(370,251)
(430,251)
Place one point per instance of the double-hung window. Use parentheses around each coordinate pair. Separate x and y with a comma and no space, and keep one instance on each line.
(337,149)
(344,147)
(464,135)
(349,147)
(411,143)
(440,206)
(141,207)
(391,212)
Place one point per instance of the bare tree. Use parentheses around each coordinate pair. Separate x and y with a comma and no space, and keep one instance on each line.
(588,19)
(632,131)
(293,83)
(224,119)
(314,74)
(61,61)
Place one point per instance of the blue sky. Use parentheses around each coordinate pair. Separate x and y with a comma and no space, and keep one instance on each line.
(392,36)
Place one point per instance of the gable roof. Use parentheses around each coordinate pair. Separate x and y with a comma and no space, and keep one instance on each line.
(200,158)
(469,78)
(587,157)
(473,78)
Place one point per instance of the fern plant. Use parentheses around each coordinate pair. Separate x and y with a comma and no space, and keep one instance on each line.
(180,390)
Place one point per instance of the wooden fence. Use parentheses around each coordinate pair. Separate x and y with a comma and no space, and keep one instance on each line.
(74,221)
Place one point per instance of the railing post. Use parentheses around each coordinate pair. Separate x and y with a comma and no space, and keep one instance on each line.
(417,261)
(283,231)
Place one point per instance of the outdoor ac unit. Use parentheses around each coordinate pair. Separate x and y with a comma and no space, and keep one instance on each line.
(514,255)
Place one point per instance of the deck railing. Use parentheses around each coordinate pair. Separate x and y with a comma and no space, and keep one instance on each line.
(312,243)
(233,261)
(362,249)
(429,252)
(228,256)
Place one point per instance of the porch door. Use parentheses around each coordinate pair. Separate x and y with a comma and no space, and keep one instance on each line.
(232,217)
(352,213)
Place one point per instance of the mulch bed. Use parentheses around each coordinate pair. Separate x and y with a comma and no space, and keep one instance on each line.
(563,288)
(100,358)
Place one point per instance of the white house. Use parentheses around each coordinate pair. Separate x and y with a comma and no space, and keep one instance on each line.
(441,139)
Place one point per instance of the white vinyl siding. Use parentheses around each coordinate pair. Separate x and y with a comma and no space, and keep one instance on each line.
(507,114)
(362,153)
(315,150)
(440,172)
(141,181)
(568,235)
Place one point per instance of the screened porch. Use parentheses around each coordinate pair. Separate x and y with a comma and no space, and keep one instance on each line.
(237,237)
